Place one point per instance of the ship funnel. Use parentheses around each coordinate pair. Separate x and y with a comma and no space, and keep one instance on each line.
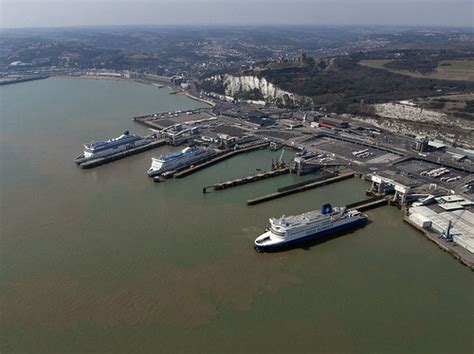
(326,209)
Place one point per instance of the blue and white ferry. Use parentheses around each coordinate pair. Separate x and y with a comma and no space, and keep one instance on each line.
(288,231)
(178,159)
(103,148)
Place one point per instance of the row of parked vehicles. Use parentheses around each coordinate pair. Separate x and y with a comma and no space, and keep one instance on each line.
(363,154)
(441,174)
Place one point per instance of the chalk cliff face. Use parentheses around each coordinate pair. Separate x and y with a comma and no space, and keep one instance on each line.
(271,93)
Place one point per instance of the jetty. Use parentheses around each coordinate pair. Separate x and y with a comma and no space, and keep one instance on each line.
(368,204)
(123,154)
(244,180)
(300,188)
(17,80)
(324,176)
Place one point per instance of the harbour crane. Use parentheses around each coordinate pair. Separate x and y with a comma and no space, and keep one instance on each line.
(279,163)
(447,235)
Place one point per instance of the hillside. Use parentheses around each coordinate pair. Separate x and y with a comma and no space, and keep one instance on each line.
(341,83)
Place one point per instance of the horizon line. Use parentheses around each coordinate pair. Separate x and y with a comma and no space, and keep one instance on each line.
(223,25)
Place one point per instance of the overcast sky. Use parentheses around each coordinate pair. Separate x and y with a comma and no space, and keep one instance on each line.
(53,13)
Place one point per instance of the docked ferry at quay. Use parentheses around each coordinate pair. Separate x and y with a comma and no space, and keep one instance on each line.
(104,148)
(289,231)
(176,160)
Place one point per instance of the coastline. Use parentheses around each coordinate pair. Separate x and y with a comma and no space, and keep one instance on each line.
(109,78)
(191,96)
(173,90)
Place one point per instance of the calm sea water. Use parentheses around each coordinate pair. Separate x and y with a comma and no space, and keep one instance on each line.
(105,260)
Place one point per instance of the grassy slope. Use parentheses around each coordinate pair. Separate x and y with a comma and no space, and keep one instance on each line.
(345,82)
(462,70)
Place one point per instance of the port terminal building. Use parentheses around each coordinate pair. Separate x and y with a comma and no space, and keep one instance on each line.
(462,221)
(400,186)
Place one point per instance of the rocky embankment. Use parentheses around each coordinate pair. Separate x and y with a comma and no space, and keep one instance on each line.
(411,120)
(408,112)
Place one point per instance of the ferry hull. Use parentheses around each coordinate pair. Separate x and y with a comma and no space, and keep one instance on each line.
(181,165)
(338,230)
(108,152)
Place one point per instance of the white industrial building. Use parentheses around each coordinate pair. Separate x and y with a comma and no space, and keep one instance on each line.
(462,221)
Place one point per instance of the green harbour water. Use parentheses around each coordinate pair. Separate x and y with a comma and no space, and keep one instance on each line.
(105,260)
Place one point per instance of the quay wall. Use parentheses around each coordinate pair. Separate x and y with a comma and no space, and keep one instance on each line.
(458,252)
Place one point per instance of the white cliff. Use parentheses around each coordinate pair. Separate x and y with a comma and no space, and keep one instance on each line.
(270,92)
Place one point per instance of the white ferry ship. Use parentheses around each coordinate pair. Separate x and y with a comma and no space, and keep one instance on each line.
(109,147)
(288,231)
(179,159)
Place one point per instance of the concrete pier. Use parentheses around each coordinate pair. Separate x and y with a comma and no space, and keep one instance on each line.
(22,79)
(303,188)
(104,160)
(248,179)
(368,204)
(322,177)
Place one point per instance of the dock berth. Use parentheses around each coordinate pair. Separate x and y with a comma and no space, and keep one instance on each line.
(303,188)
(245,180)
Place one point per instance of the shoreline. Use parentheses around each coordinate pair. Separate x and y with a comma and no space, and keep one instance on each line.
(195,98)
(173,90)
(87,77)
(108,78)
